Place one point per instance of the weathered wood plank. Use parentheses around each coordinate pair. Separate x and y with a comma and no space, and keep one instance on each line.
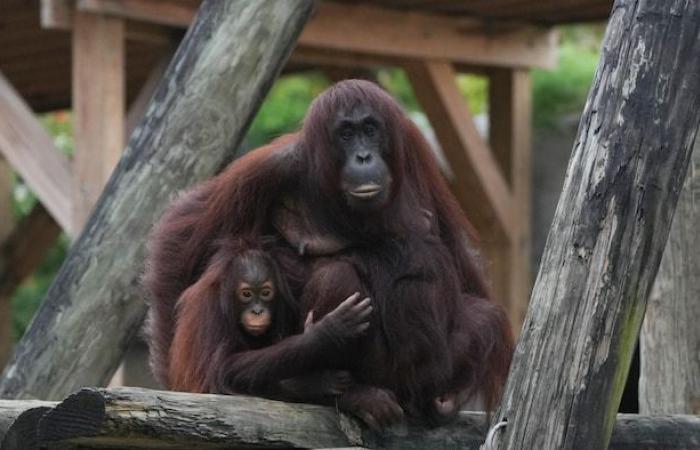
(31,152)
(482,190)
(609,231)
(10,410)
(220,74)
(99,93)
(137,109)
(380,31)
(670,341)
(141,418)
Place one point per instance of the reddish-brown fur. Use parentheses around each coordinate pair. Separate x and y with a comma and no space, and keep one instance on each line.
(434,332)
(208,315)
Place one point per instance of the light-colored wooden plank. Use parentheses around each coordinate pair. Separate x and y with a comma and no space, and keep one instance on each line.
(173,13)
(383,32)
(33,155)
(98,105)
(509,131)
(481,188)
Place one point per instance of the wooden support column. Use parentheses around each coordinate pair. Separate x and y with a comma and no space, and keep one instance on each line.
(98,105)
(5,227)
(509,138)
(609,232)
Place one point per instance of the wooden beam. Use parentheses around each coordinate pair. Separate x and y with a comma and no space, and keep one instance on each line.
(382,32)
(30,150)
(137,109)
(98,105)
(670,341)
(509,138)
(609,231)
(482,190)
(208,97)
(141,418)
(171,13)
(25,248)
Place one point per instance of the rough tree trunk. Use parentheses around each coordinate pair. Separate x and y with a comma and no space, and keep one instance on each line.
(670,340)
(609,231)
(140,418)
(218,78)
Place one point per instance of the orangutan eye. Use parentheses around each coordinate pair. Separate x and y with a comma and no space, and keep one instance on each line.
(246,295)
(346,134)
(266,294)
(370,128)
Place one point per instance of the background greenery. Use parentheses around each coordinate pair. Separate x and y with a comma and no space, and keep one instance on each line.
(555,94)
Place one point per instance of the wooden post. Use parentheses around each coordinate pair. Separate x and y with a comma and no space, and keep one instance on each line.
(670,339)
(224,67)
(5,227)
(98,105)
(510,141)
(609,231)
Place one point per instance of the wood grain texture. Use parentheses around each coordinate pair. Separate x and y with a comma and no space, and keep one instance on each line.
(99,93)
(224,67)
(30,150)
(669,382)
(140,418)
(609,231)
(384,32)
(10,410)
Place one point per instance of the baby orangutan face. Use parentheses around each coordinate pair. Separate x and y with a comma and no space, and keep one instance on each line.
(255,294)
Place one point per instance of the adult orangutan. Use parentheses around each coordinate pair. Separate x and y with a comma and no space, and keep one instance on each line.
(358,193)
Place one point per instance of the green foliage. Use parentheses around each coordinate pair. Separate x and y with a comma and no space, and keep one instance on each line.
(284,108)
(564,90)
(28,296)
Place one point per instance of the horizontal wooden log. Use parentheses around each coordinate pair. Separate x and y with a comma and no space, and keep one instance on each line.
(223,69)
(380,31)
(142,418)
(10,410)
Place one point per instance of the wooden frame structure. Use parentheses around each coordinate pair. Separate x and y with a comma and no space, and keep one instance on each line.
(489,181)
(496,176)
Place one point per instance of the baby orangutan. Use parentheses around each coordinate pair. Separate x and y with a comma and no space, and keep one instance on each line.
(235,331)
